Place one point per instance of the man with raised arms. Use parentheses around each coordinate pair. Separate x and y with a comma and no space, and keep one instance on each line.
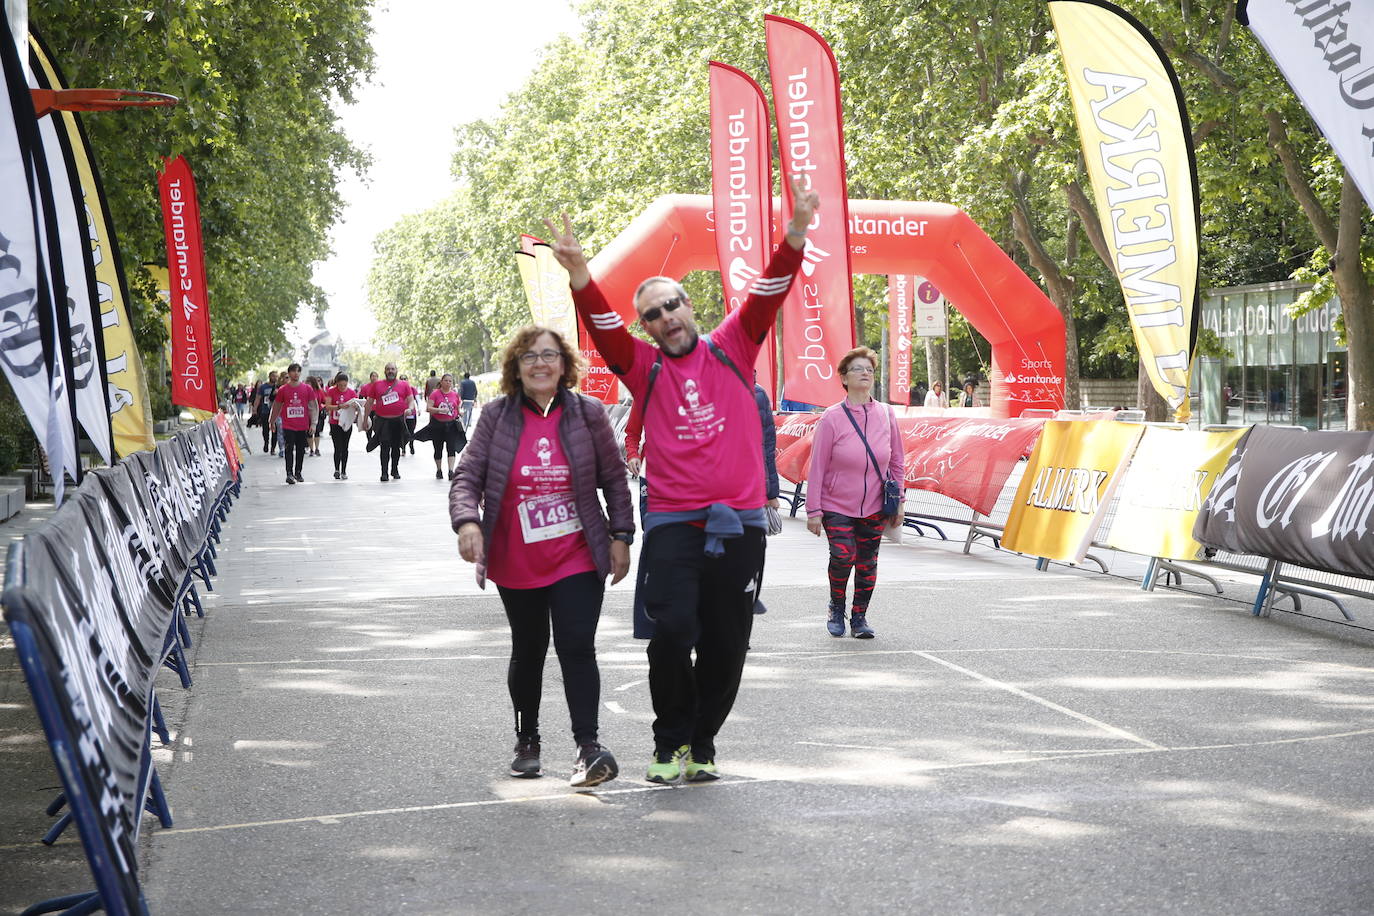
(705,524)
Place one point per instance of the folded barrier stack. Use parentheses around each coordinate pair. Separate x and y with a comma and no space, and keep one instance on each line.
(95,600)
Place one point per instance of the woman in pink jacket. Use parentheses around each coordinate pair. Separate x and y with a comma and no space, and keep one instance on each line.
(856,445)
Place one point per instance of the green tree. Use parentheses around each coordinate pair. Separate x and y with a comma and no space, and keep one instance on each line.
(257,80)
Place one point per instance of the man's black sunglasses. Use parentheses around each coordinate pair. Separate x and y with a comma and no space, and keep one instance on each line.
(657,311)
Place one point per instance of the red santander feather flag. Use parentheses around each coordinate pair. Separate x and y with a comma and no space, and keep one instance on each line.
(193,368)
(742,196)
(818,316)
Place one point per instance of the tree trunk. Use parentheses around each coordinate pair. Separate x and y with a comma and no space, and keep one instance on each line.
(1148,400)
(1357,307)
(1059,287)
(936,360)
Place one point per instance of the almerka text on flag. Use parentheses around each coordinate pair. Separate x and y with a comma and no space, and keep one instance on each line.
(1138,148)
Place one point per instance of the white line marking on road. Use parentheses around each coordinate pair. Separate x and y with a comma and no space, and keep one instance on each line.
(854,747)
(1048,704)
(615,708)
(631,684)
(728,781)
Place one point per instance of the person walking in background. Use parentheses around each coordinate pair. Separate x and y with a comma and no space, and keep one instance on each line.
(337,397)
(296,406)
(431,383)
(969,396)
(857,445)
(262,409)
(936,397)
(412,417)
(387,402)
(318,426)
(706,523)
(444,428)
(525,506)
(467,392)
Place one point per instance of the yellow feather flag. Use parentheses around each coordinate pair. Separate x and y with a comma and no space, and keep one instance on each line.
(546,287)
(131,420)
(1139,152)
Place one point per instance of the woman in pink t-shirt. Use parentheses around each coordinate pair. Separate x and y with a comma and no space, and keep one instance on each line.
(856,446)
(445,430)
(526,508)
(336,396)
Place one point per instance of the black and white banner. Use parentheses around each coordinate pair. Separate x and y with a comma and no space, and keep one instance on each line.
(96,587)
(1299,497)
(84,354)
(1325,49)
(31,351)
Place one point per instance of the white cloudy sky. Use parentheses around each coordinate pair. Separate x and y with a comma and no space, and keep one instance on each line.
(439,64)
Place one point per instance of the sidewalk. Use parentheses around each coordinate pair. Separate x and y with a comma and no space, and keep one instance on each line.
(1012,742)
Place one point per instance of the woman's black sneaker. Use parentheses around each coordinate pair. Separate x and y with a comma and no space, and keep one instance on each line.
(526,763)
(594,766)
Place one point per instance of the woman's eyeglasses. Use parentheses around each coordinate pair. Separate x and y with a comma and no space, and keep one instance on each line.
(543,356)
(655,313)
(860,370)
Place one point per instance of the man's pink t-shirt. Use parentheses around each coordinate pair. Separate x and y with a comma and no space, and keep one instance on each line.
(445,404)
(390,398)
(703,424)
(338,398)
(538,538)
(295,405)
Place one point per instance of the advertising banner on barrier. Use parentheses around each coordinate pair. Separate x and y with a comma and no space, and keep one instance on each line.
(966,460)
(127,392)
(1170,476)
(1067,487)
(193,369)
(794,432)
(1138,149)
(90,599)
(1323,48)
(231,446)
(818,316)
(1300,497)
(742,197)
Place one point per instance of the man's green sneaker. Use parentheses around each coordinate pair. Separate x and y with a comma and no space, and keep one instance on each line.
(700,770)
(666,767)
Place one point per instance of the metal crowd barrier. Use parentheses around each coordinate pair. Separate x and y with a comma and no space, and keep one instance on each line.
(95,600)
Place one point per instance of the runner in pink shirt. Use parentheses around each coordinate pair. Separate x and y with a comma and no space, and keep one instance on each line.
(296,403)
(705,523)
(388,399)
(336,396)
(445,430)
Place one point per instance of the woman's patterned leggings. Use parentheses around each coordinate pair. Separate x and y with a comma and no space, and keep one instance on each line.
(853,545)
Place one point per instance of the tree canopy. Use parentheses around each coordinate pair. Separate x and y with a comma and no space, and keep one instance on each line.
(963,101)
(257,81)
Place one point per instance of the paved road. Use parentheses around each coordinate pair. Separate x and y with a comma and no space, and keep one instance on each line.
(1012,742)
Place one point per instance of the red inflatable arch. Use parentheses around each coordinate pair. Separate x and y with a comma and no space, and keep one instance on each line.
(674,237)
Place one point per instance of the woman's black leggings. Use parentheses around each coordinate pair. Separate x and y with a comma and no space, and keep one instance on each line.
(340,436)
(573,604)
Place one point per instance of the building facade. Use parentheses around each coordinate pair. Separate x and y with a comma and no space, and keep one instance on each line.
(1279,370)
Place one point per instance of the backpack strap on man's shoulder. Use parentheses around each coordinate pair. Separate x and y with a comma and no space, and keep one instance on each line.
(654,370)
(721,355)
